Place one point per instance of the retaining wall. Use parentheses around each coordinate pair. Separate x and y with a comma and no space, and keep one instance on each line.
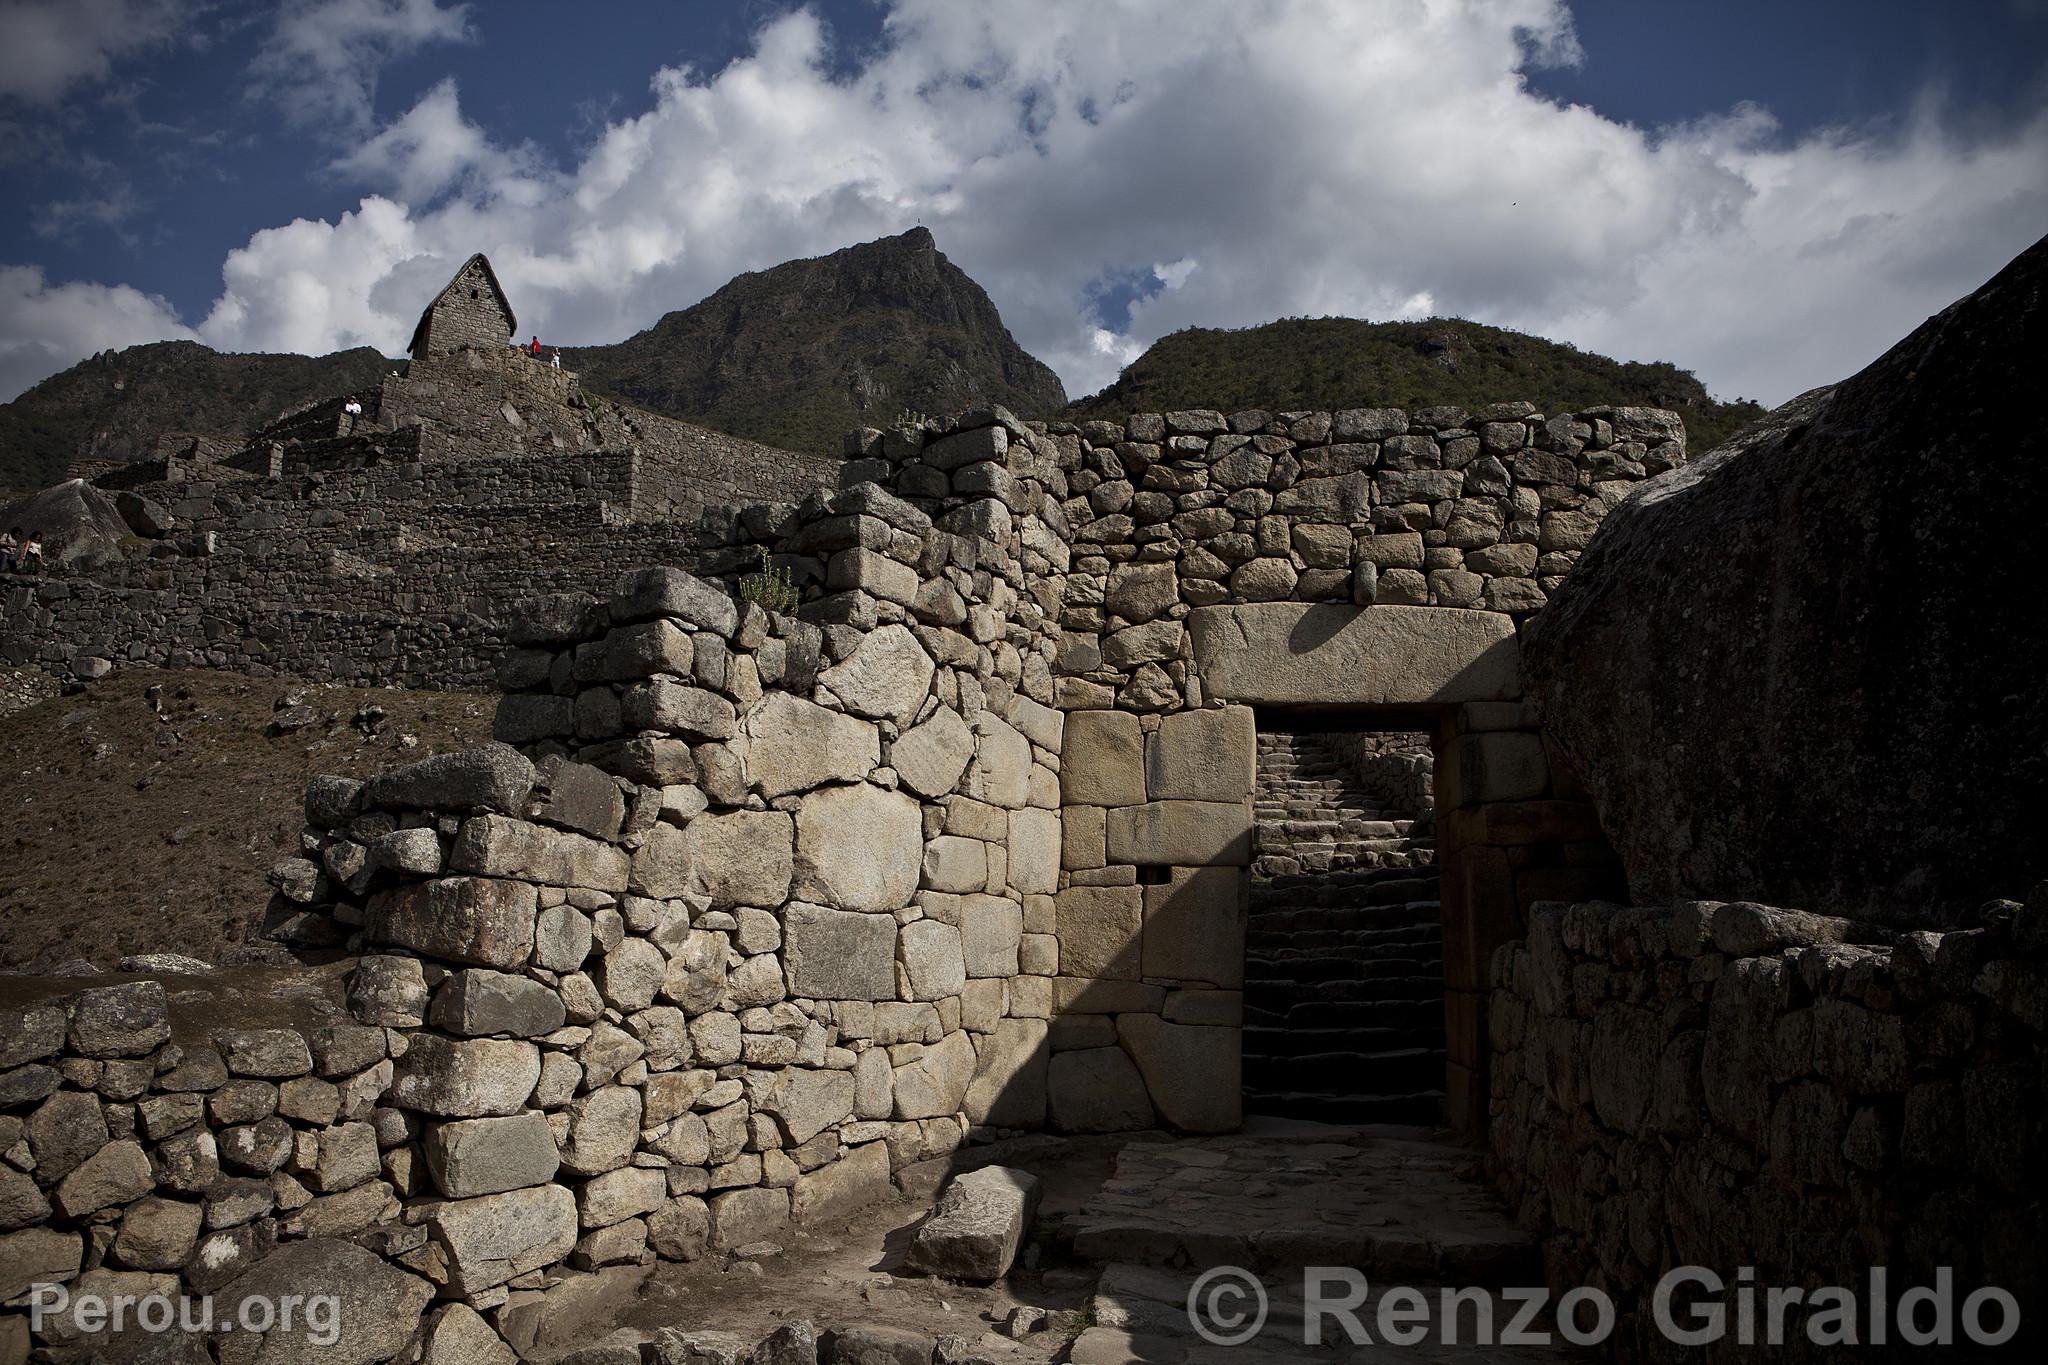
(1729,1085)
(392,555)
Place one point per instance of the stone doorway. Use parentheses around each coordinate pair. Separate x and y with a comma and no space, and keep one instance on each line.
(1344,969)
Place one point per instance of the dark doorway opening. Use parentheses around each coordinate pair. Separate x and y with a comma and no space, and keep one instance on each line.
(1344,975)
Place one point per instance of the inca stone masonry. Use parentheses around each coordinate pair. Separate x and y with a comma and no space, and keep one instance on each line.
(746,912)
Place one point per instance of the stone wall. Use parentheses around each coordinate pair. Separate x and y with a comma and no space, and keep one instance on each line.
(1393,766)
(390,551)
(1371,561)
(770,918)
(1175,513)
(763,907)
(1728,1085)
(470,312)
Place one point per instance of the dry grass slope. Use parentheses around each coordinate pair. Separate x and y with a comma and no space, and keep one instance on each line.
(144,810)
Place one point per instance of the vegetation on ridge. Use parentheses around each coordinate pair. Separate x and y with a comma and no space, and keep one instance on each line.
(1317,363)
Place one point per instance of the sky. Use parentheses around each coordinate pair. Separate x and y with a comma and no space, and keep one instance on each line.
(1768,194)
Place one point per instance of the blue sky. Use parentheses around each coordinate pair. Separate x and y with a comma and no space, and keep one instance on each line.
(1768,194)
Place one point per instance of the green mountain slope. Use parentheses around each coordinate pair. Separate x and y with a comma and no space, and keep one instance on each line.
(116,404)
(1348,363)
(799,354)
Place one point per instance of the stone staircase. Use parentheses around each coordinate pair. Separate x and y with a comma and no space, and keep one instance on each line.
(1315,815)
(1344,949)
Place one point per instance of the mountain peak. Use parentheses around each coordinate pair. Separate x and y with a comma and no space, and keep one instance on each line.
(799,354)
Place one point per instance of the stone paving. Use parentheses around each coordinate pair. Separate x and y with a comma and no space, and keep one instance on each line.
(1394,1204)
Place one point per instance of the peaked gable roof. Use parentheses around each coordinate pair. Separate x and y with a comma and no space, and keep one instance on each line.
(497,291)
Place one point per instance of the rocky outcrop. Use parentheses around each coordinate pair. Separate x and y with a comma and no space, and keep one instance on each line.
(1802,669)
(80,527)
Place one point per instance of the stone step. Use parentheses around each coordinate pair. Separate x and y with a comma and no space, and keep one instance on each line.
(1410,885)
(1293,1040)
(1425,1012)
(1344,945)
(1278,954)
(1283,997)
(1319,969)
(1277,924)
(1338,895)
(1343,1079)
(1344,1073)
(1340,914)
(1347,1072)
(1363,878)
(1326,929)
(1421,1107)
(1407,890)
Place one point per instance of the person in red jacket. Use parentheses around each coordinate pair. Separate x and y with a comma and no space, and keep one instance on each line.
(535,348)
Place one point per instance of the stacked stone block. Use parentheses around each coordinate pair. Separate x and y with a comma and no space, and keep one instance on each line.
(762,913)
(1728,1085)
(1157,834)
(1179,511)
(146,1159)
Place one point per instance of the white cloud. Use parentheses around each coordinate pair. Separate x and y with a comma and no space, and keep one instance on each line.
(311,286)
(322,58)
(1314,156)
(50,47)
(1839,248)
(424,152)
(47,328)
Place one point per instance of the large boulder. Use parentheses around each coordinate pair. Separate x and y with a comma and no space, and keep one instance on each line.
(80,527)
(1800,670)
(369,1308)
(979,1224)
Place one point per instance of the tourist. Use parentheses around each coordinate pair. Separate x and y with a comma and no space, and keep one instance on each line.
(10,549)
(536,348)
(351,410)
(32,554)
(557,359)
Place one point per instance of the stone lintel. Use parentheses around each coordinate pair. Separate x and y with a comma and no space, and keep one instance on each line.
(1302,653)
